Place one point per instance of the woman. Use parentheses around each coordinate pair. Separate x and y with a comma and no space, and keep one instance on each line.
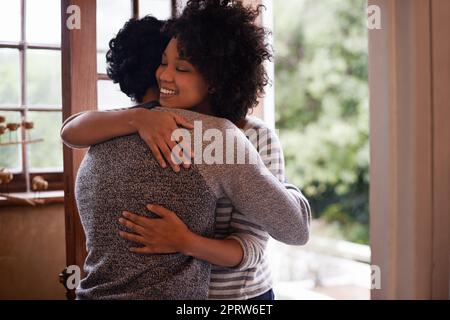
(209,35)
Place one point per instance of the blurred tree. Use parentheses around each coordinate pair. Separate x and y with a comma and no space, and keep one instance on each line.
(321,60)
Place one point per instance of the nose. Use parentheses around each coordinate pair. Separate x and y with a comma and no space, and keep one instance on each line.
(166,75)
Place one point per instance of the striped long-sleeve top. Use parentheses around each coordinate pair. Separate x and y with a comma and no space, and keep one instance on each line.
(252,276)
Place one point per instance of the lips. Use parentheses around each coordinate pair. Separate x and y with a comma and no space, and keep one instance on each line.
(167,92)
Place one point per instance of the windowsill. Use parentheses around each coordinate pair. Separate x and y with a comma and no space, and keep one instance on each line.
(31,198)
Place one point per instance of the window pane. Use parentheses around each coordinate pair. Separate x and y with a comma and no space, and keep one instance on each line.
(111,16)
(161,9)
(9,75)
(43,20)
(46,154)
(10,154)
(10,20)
(110,96)
(101,62)
(44,77)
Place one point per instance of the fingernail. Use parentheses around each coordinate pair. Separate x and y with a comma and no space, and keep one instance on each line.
(125,214)
(121,220)
(150,206)
(176,169)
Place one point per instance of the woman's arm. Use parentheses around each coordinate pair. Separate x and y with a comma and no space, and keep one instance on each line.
(154,127)
(91,127)
(226,253)
(169,234)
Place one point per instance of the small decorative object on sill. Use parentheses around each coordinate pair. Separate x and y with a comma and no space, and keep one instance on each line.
(28,125)
(12,127)
(39,184)
(2,131)
(5,176)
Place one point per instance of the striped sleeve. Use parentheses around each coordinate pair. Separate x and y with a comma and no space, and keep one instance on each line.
(252,238)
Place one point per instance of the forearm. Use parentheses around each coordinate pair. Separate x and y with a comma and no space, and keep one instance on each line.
(223,253)
(94,127)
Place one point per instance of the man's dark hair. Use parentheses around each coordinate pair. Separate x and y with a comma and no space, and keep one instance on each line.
(220,38)
(135,54)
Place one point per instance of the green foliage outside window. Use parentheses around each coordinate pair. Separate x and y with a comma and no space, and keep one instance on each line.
(321,63)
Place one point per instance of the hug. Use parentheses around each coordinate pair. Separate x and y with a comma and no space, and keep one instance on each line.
(160,229)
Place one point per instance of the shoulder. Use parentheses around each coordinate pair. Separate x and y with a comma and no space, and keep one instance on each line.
(208,122)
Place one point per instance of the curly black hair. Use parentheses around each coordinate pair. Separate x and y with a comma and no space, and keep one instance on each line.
(135,54)
(220,38)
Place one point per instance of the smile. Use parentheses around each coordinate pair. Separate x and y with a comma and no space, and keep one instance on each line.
(169,92)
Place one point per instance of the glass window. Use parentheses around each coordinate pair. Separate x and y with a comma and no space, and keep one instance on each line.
(110,96)
(44,77)
(47,154)
(101,62)
(9,75)
(111,16)
(43,21)
(10,20)
(10,154)
(161,9)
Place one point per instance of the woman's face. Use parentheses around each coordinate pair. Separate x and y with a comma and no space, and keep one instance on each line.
(180,84)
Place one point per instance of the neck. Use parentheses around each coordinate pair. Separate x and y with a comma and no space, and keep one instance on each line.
(204,107)
(241,123)
(152,94)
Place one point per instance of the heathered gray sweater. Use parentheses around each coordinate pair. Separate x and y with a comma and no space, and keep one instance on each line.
(122,174)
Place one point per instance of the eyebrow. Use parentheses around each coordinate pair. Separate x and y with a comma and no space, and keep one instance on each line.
(179,58)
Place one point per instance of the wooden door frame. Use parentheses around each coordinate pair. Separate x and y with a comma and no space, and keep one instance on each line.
(79,93)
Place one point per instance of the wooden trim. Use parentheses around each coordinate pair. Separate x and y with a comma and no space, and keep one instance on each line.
(35,108)
(103,76)
(440,11)
(135,9)
(18,184)
(79,86)
(33,198)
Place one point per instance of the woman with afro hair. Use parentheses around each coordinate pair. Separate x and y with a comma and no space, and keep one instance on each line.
(213,64)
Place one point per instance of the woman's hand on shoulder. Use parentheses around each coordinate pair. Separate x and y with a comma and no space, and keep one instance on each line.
(156,128)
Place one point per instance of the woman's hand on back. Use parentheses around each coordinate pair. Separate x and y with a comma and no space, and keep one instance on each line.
(156,128)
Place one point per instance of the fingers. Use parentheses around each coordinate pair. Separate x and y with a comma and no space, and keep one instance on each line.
(159,210)
(182,153)
(183,122)
(132,237)
(155,150)
(132,226)
(168,155)
(137,219)
(145,250)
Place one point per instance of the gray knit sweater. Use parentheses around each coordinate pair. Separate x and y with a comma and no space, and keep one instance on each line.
(122,174)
